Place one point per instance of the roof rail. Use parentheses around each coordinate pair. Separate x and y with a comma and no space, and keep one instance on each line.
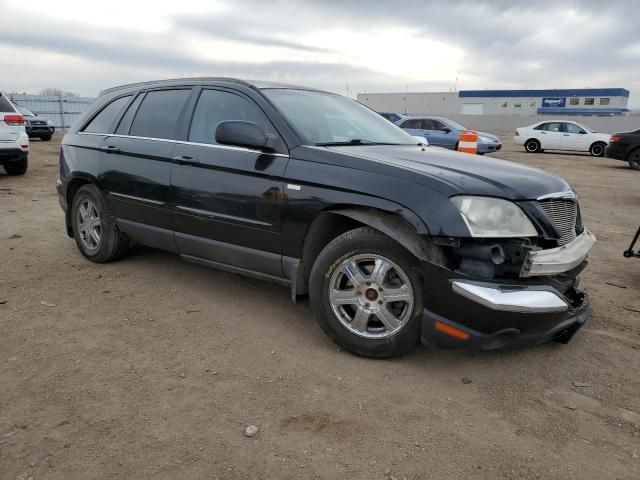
(170,80)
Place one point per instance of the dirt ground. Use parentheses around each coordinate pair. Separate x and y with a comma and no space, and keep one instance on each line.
(151,367)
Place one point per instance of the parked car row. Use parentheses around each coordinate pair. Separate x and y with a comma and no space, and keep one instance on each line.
(17,125)
(564,135)
(14,141)
(441,132)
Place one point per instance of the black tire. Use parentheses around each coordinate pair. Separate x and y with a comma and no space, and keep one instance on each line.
(597,149)
(16,168)
(45,138)
(360,243)
(634,159)
(112,244)
(532,146)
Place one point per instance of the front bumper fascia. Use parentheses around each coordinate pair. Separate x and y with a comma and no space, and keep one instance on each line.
(558,260)
(464,311)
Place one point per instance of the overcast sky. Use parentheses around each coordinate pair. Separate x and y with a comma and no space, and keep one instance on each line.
(85,46)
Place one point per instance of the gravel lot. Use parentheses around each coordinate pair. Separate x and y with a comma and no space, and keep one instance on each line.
(151,367)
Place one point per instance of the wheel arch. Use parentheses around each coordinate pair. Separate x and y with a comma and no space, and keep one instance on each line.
(334,221)
(73,186)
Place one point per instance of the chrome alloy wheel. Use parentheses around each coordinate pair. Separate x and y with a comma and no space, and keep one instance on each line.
(89,225)
(371,296)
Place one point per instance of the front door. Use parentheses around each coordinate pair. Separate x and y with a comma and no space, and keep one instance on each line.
(228,200)
(574,138)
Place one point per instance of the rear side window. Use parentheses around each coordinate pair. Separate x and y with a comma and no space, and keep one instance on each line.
(413,123)
(550,127)
(215,106)
(102,122)
(127,118)
(158,114)
(5,104)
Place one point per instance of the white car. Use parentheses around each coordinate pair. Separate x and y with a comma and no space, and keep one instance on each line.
(14,142)
(561,135)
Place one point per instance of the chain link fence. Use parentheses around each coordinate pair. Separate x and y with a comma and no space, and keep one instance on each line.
(62,111)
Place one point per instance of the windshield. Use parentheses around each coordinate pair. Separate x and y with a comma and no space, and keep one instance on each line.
(328,119)
(25,111)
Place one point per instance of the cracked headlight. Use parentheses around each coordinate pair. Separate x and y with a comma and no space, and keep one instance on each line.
(493,217)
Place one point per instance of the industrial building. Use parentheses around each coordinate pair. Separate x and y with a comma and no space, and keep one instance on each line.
(581,101)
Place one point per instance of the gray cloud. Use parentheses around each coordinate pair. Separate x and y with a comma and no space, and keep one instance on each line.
(507,44)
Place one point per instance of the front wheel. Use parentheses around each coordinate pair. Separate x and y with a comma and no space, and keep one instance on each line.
(532,146)
(597,149)
(634,159)
(367,294)
(17,168)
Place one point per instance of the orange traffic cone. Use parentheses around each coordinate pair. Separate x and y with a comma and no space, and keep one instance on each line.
(468,141)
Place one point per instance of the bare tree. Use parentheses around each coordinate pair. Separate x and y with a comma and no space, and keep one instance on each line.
(57,92)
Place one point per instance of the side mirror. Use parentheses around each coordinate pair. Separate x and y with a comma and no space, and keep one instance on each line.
(241,133)
(582,132)
(446,130)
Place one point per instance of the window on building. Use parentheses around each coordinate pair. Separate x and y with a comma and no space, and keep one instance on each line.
(589,101)
(517,105)
(574,101)
(504,104)
(533,104)
(605,101)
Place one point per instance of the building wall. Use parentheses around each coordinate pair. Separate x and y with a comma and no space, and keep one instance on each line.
(448,103)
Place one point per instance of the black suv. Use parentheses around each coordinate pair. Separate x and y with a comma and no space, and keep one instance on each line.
(393,242)
(625,146)
(37,126)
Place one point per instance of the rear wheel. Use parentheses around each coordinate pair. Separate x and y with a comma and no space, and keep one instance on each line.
(634,159)
(366,291)
(597,149)
(17,168)
(94,229)
(532,146)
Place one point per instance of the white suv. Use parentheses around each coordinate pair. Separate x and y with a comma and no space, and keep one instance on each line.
(14,142)
(561,135)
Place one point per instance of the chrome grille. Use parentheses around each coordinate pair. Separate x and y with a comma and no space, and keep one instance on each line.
(563,213)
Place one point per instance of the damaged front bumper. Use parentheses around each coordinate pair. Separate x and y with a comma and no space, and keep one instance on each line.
(468,311)
(560,259)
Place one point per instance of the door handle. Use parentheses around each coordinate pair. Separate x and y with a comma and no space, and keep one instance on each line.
(565,135)
(110,149)
(543,133)
(184,160)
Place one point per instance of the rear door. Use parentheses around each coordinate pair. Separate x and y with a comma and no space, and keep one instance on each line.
(228,200)
(137,162)
(574,137)
(9,130)
(549,134)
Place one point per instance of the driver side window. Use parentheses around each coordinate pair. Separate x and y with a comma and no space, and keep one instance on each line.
(573,128)
(215,106)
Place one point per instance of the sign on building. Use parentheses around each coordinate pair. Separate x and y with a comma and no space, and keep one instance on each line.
(554,102)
